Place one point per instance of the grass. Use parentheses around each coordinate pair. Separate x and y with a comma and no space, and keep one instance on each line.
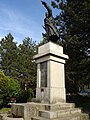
(5,110)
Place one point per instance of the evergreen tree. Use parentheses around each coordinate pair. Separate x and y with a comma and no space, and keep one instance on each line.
(17,62)
(26,66)
(8,53)
(74,25)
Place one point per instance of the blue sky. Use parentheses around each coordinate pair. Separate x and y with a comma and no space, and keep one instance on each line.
(22,18)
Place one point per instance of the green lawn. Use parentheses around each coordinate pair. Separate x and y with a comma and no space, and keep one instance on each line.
(5,110)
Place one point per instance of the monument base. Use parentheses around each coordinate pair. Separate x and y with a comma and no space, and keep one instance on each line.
(41,111)
(50,92)
(50,74)
(50,95)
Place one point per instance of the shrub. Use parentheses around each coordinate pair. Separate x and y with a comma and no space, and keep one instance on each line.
(9,88)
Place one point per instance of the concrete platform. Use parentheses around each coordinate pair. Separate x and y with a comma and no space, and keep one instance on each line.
(66,117)
(40,111)
(27,110)
(59,113)
(6,117)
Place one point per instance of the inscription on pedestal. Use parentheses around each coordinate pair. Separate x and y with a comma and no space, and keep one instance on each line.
(43,69)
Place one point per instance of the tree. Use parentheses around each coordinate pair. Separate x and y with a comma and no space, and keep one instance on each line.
(17,63)
(9,88)
(74,25)
(8,52)
(14,88)
(4,87)
(26,66)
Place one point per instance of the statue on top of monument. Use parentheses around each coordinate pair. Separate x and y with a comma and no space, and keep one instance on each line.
(52,33)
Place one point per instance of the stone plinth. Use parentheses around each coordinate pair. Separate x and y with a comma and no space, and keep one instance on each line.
(29,110)
(40,111)
(50,74)
(50,92)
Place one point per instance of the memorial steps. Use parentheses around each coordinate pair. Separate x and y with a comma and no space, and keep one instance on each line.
(63,111)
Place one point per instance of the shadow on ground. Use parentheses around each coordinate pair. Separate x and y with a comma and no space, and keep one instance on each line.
(80,101)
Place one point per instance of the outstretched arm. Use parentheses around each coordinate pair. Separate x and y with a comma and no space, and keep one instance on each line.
(48,8)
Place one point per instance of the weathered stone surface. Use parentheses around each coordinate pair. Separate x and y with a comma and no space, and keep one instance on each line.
(53,90)
(26,110)
(6,117)
(41,111)
(50,92)
(59,113)
(65,117)
(32,109)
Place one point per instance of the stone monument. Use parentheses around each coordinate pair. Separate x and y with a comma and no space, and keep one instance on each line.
(50,74)
(50,102)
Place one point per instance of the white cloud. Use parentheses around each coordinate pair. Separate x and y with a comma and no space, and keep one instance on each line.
(18,24)
(1,37)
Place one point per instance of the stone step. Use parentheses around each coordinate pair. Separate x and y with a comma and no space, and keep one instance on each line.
(5,117)
(58,106)
(66,117)
(57,114)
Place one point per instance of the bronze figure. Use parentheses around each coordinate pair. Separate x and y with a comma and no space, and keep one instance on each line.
(52,33)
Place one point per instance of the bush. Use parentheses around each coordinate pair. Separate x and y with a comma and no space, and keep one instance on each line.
(9,88)
(4,88)
(30,94)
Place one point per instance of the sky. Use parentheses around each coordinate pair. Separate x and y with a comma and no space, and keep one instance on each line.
(22,18)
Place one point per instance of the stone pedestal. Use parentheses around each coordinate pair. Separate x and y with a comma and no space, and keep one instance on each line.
(50,92)
(50,74)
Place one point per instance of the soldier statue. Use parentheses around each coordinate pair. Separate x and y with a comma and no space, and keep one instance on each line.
(52,33)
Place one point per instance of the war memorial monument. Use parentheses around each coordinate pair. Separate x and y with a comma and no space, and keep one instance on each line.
(50,102)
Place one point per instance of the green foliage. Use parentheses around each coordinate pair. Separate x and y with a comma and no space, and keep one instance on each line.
(14,88)
(8,51)
(74,25)
(5,110)
(25,65)
(42,42)
(9,88)
(54,5)
(17,63)
(4,87)
(30,94)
